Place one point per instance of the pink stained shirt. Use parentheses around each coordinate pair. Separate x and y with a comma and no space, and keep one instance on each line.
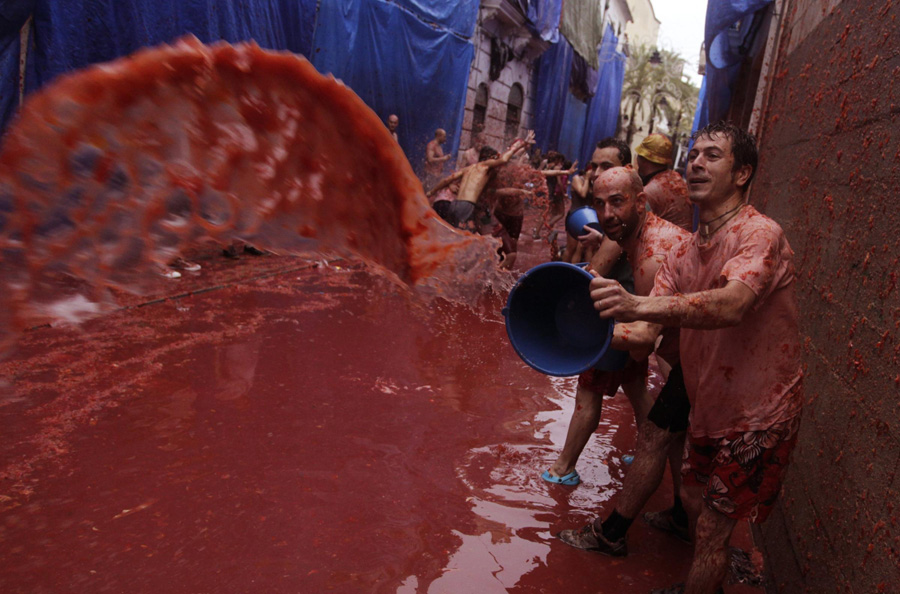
(668,196)
(647,250)
(739,378)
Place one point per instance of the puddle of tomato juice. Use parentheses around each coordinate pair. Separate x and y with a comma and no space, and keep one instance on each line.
(312,431)
(319,429)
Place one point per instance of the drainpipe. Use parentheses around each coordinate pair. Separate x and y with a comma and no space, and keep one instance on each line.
(770,62)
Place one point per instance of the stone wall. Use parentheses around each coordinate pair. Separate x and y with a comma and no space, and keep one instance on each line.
(830,173)
(516,71)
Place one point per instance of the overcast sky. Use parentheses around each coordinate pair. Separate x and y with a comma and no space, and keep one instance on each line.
(681,29)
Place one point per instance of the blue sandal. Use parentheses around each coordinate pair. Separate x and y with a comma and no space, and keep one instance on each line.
(569,480)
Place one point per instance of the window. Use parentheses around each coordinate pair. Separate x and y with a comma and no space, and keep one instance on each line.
(479,110)
(514,111)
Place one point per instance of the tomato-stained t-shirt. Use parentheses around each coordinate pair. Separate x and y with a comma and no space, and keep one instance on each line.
(739,378)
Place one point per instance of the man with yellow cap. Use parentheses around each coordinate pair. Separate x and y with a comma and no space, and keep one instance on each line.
(667,193)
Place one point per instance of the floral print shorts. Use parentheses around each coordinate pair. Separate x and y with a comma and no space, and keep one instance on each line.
(742,472)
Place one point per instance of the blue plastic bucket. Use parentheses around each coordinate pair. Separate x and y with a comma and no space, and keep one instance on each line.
(578,218)
(553,326)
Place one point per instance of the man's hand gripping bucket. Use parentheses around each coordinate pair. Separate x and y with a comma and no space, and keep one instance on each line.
(553,326)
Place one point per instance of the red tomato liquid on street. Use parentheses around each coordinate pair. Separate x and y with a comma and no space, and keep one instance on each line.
(310,427)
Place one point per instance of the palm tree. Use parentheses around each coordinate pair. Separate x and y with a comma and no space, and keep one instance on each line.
(654,83)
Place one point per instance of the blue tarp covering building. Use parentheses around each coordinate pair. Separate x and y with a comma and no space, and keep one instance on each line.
(725,45)
(397,55)
(566,123)
(69,35)
(400,64)
(409,57)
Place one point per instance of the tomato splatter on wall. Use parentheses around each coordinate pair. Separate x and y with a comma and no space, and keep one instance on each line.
(830,174)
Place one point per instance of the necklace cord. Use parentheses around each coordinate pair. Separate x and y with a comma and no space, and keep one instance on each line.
(703,228)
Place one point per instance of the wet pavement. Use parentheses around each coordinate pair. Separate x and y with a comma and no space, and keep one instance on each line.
(302,425)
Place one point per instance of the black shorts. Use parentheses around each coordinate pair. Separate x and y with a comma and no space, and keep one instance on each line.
(460,212)
(442,207)
(672,408)
(512,223)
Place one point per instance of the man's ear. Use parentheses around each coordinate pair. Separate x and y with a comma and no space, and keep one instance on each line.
(742,176)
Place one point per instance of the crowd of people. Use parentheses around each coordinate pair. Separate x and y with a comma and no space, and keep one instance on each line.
(695,277)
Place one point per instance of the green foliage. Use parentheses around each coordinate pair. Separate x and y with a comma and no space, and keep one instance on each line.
(647,84)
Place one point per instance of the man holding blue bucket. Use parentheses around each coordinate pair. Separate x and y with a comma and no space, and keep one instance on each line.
(647,240)
(731,291)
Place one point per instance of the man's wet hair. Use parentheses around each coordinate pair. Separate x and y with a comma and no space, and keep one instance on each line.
(487,152)
(743,145)
(624,149)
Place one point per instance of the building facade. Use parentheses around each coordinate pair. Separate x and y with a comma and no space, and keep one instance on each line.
(501,87)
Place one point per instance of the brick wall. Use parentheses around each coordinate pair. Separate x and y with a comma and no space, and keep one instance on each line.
(830,174)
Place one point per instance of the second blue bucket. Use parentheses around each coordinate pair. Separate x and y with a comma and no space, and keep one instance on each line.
(578,218)
(553,326)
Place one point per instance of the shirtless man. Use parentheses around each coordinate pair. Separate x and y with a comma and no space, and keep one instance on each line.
(619,201)
(473,179)
(731,291)
(435,158)
(393,122)
(667,193)
(647,240)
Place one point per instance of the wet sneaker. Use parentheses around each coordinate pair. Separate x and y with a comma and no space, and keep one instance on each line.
(184,265)
(588,539)
(662,520)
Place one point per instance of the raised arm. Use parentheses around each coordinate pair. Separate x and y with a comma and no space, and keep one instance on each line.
(519,145)
(556,172)
(446,182)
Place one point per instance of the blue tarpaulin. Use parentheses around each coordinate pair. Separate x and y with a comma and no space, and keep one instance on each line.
(720,16)
(409,57)
(398,64)
(603,109)
(724,57)
(458,16)
(545,15)
(552,76)
(73,34)
(572,131)
(76,33)
(568,124)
